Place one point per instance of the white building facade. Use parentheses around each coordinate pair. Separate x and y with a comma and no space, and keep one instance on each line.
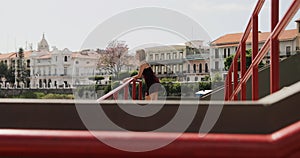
(183,62)
(61,68)
(224,46)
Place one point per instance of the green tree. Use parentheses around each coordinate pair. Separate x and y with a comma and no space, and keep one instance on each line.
(217,78)
(133,73)
(7,73)
(22,73)
(3,70)
(204,85)
(96,78)
(229,59)
(10,77)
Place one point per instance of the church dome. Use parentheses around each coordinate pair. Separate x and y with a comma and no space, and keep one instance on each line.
(43,44)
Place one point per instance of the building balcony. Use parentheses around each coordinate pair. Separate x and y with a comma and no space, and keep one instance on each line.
(197,57)
(166,62)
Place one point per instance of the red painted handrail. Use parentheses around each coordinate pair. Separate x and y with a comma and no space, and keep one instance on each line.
(57,143)
(125,86)
(234,85)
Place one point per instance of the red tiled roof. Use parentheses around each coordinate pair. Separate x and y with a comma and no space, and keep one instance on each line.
(235,38)
(13,55)
(7,55)
(228,45)
(27,54)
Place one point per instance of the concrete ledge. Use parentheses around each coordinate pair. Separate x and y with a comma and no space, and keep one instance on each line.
(236,117)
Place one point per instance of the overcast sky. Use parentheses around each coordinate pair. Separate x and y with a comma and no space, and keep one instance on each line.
(67,23)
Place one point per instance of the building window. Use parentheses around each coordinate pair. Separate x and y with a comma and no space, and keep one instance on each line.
(170,68)
(174,55)
(188,78)
(77,62)
(166,69)
(288,51)
(206,67)
(65,71)
(168,56)
(196,78)
(224,53)
(216,53)
(55,58)
(200,68)
(189,68)
(151,57)
(180,55)
(39,72)
(159,69)
(66,58)
(163,69)
(228,52)
(156,57)
(194,68)
(180,68)
(217,65)
(28,63)
(162,56)
(77,71)
(174,68)
(197,51)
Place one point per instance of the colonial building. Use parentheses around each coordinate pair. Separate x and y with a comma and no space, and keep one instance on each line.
(183,62)
(61,68)
(226,45)
(197,61)
(166,61)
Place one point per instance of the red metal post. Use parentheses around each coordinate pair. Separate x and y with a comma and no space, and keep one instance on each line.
(235,75)
(226,88)
(243,69)
(134,90)
(274,67)
(229,75)
(255,91)
(140,90)
(126,92)
(116,95)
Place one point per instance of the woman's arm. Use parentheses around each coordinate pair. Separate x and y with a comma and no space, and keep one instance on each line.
(140,73)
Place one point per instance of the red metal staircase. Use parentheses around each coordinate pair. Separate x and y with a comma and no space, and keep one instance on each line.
(235,86)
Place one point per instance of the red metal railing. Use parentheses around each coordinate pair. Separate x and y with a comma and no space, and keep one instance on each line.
(235,85)
(125,88)
(55,143)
